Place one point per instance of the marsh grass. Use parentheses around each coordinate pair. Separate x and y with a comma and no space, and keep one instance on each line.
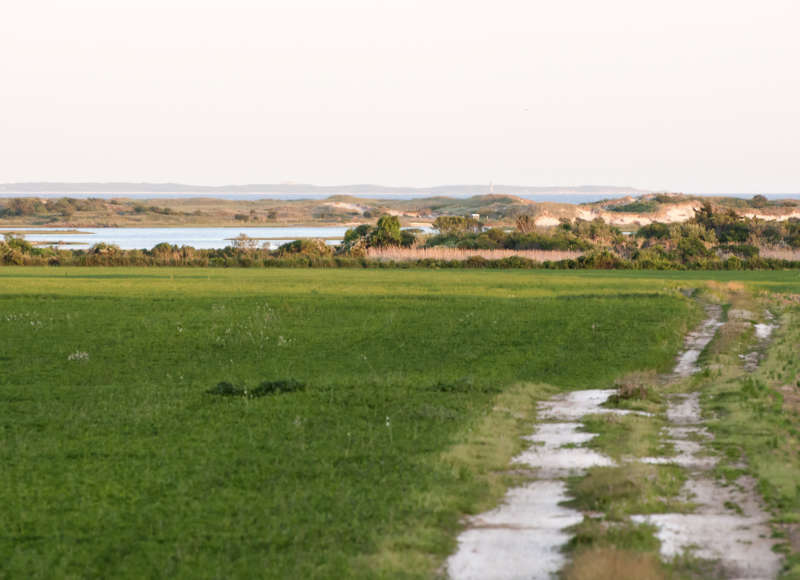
(780,253)
(397,254)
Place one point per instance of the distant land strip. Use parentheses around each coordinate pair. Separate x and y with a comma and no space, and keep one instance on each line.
(306,188)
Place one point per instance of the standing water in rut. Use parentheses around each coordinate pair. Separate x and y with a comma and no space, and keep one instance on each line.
(525,536)
(522,538)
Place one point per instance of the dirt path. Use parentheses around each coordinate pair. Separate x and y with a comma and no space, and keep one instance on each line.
(525,536)
(728,524)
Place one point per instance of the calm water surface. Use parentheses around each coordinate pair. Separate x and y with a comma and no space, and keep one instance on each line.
(201,238)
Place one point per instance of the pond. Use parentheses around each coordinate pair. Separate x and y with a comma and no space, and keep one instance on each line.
(200,238)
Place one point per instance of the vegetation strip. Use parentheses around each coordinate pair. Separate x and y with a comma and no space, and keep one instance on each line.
(709,238)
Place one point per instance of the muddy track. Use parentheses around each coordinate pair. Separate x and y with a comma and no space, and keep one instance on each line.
(525,536)
(728,524)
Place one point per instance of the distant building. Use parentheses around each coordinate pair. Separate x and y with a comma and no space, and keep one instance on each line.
(475,216)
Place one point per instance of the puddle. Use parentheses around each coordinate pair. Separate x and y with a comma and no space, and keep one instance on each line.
(523,537)
(519,539)
(763,333)
(556,453)
(685,434)
(724,538)
(574,405)
(696,341)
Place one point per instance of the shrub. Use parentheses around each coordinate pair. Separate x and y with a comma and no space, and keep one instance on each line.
(635,207)
(226,389)
(305,247)
(276,388)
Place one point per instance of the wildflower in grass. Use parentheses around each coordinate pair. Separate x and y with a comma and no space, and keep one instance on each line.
(78,355)
(388,422)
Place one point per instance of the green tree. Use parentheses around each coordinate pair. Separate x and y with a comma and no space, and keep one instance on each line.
(386,233)
(450,225)
(357,233)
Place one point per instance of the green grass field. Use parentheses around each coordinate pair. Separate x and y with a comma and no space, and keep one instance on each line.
(117,463)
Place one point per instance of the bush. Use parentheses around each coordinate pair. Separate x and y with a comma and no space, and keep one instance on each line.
(733,263)
(226,389)
(475,262)
(635,207)
(305,247)
(740,250)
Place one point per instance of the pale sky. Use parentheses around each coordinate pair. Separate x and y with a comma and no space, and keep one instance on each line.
(684,95)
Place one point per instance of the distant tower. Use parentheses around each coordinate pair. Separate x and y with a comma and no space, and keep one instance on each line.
(491,187)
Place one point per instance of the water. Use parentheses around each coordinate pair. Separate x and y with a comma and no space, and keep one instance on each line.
(200,238)
(573,198)
(523,537)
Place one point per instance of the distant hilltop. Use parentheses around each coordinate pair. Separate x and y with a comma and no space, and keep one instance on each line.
(307,189)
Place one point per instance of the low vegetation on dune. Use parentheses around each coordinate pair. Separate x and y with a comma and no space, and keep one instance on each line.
(713,239)
(500,210)
(207,422)
(210,211)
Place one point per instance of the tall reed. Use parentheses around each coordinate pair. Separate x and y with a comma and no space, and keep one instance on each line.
(443,253)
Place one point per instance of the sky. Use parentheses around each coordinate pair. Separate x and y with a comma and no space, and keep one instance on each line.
(698,96)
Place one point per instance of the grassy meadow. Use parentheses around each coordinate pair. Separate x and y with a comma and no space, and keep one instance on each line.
(118,463)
